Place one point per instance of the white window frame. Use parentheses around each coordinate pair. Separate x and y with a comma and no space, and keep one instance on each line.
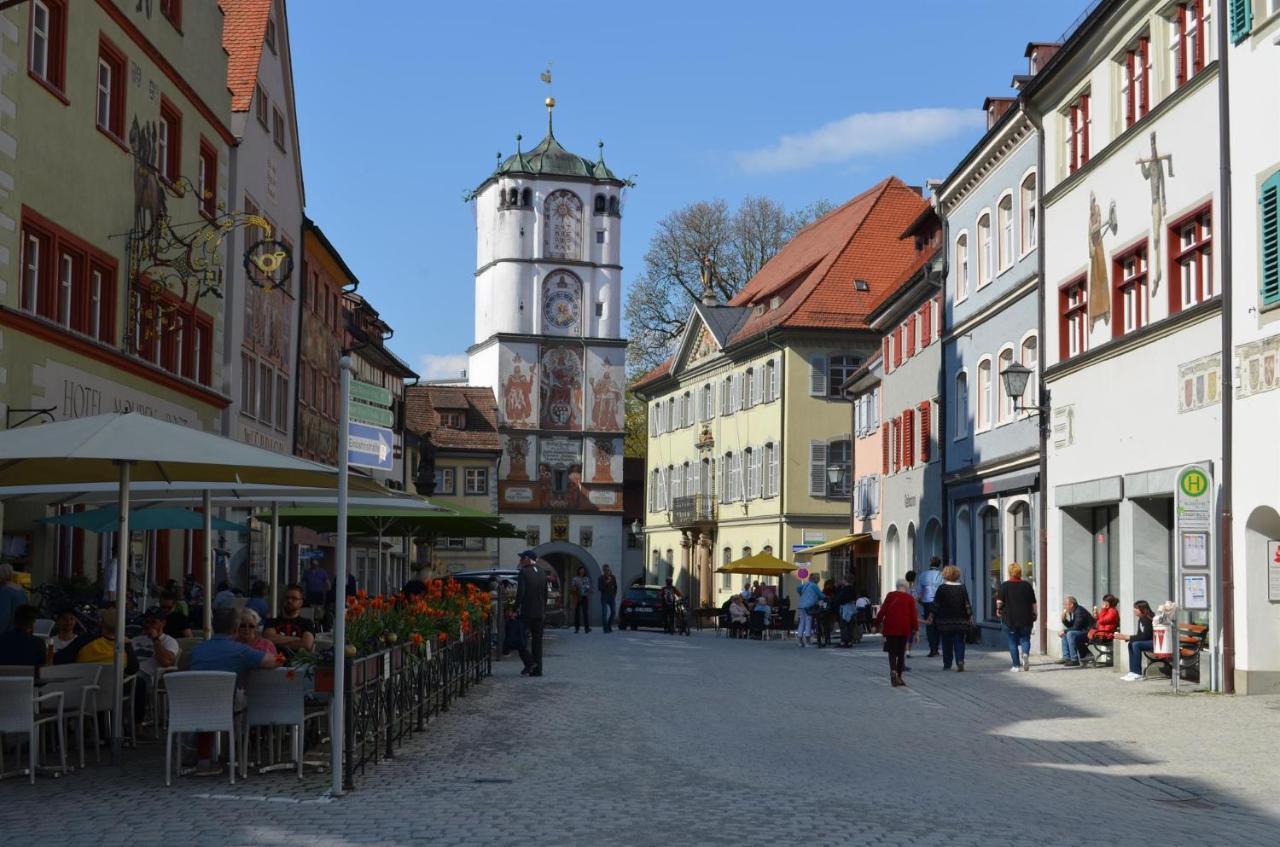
(961,405)
(963,262)
(66,284)
(95,302)
(985,251)
(40,40)
(983,419)
(1031,396)
(1004,232)
(1004,403)
(103,110)
(1028,212)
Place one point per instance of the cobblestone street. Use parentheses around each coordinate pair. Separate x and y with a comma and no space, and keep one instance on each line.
(643,739)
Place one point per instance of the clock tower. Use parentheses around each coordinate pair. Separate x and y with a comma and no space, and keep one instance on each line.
(547,320)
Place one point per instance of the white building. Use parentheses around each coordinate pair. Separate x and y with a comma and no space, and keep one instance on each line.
(1129,115)
(1254,66)
(547,325)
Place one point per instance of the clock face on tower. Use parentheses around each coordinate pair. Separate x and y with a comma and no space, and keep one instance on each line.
(560,306)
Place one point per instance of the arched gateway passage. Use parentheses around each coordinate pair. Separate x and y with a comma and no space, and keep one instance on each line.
(565,558)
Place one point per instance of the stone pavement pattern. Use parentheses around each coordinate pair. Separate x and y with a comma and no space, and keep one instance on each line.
(646,739)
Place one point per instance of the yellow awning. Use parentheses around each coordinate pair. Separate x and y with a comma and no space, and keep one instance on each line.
(761,564)
(809,552)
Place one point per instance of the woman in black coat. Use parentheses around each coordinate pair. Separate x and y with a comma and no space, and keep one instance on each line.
(952,615)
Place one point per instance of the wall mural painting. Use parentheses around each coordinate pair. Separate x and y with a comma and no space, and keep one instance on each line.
(1200,383)
(561,302)
(1257,367)
(1153,172)
(268,323)
(562,226)
(604,463)
(605,379)
(517,403)
(1099,279)
(561,383)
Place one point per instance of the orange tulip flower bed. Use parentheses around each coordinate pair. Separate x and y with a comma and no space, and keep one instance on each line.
(447,612)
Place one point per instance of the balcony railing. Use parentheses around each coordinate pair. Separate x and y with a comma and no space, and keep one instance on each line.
(693,510)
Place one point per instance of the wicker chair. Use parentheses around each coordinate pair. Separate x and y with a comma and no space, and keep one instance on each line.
(274,698)
(107,699)
(79,686)
(200,701)
(20,713)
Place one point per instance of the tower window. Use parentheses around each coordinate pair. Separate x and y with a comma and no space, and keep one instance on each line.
(613,206)
(513,196)
(526,197)
(599,236)
(600,204)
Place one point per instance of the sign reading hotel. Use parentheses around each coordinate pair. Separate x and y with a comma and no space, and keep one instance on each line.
(77,394)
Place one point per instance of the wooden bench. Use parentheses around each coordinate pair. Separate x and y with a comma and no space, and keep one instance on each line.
(1193,639)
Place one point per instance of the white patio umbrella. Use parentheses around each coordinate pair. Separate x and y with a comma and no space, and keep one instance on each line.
(127,447)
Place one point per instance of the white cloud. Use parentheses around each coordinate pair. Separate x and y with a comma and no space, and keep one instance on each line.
(861,134)
(447,366)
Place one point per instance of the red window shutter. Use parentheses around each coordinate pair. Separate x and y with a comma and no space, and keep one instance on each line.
(897,348)
(908,439)
(1129,98)
(1197,9)
(926,429)
(911,336)
(926,323)
(884,354)
(884,447)
(1075,147)
(1084,128)
(1144,57)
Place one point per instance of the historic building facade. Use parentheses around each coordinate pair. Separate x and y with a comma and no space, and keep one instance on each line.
(864,391)
(114,150)
(909,324)
(748,421)
(1129,116)
(547,328)
(990,313)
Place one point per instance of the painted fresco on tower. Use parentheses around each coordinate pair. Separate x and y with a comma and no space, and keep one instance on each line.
(604,460)
(518,380)
(561,303)
(605,379)
(562,226)
(561,383)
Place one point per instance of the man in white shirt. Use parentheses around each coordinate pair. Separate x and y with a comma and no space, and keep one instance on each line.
(154,650)
(927,589)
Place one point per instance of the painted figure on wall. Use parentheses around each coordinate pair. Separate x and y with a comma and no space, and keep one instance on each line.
(606,410)
(561,388)
(1153,172)
(604,460)
(562,226)
(518,457)
(1099,279)
(517,394)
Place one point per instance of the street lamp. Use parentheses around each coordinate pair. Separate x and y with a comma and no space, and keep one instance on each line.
(834,473)
(1015,378)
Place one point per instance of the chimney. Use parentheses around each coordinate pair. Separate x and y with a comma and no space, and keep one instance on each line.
(1039,53)
(995,107)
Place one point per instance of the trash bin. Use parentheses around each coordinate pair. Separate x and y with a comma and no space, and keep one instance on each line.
(1162,640)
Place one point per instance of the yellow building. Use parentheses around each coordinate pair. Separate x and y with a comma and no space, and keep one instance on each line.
(455,447)
(747,420)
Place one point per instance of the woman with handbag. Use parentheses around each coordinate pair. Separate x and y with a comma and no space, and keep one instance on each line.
(953,615)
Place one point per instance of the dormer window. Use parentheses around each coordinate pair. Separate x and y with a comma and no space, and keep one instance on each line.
(453,420)
(775,301)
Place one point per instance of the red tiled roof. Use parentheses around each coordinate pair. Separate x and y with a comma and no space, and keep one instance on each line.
(421,416)
(244,26)
(814,273)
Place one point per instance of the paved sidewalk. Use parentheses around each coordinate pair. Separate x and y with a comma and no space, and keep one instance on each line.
(646,739)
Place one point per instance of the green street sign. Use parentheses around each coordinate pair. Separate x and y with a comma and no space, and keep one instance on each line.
(1194,482)
(374,415)
(371,394)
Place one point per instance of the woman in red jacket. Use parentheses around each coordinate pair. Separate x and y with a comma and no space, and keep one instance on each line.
(1106,620)
(898,623)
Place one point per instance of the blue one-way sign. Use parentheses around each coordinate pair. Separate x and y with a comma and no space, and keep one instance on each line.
(369,446)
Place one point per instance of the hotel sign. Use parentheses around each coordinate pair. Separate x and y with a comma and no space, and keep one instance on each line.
(77,394)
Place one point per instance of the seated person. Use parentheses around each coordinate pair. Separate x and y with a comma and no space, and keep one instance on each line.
(100,648)
(737,616)
(19,645)
(250,632)
(1108,620)
(763,606)
(1141,640)
(291,631)
(1075,631)
(64,630)
(223,652)
(176,623)
(154,650)
(225,596)
(258,599)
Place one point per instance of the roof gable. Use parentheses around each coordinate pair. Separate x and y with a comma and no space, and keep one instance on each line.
(424,403)
(244,29)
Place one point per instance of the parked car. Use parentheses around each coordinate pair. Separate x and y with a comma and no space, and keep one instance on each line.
(507,577)
(641,606)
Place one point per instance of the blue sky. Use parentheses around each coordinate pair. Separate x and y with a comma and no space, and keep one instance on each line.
(694,100)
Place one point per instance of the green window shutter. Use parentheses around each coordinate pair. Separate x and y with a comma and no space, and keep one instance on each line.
(1269,236)
(1241,12)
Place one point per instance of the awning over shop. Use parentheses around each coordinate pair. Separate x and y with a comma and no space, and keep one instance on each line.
(844,541)
(761,564)
(107,519)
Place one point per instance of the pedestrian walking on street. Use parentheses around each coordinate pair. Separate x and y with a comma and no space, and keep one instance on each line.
(669,595)
(930,581)
(1016,605)
(808,605)
(950,616)
(1076,622)
(581,587)
(898,621)
(608,584)
(1141,640)
(910,577)
(846,610)
(531,608)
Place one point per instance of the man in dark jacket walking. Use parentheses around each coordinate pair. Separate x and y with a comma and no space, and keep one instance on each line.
(531,607)
(608,585)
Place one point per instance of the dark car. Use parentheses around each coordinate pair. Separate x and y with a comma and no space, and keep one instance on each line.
(641,606)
